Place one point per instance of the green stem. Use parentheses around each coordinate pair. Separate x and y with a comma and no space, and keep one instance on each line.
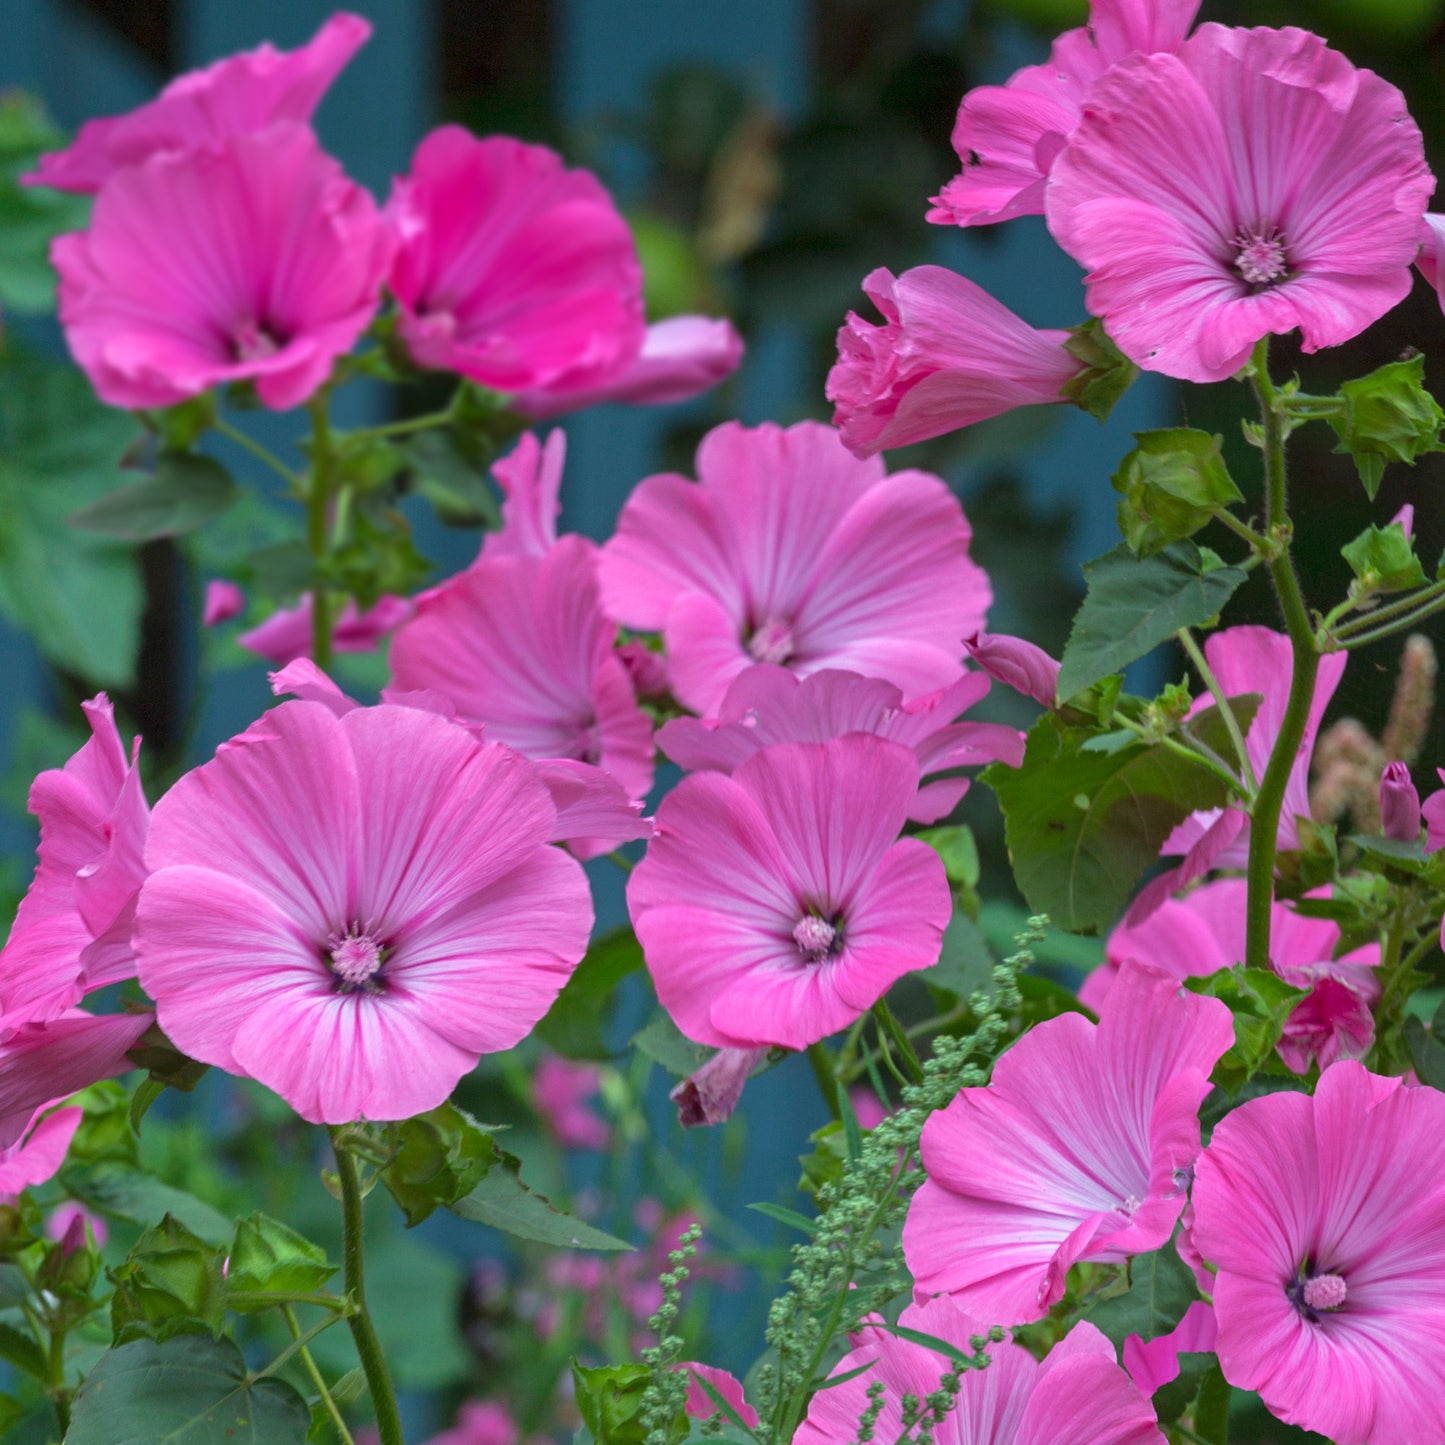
(1226,713)
(318,525)
(1369,620)
(59,1395)
(624,863)
(368,1347)
(259,1299)
(404,427)
(1211,1410)
(1241,529)
(317,1378)
(1401,622)
(822,1062)
(890,1027)
(1269,800)
(262,454)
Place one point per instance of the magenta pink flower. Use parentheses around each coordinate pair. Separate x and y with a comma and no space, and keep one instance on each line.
(224,600)
(1007,136)
(709,1094)
(789,550)
(520,644)
(1246,660)
(72,929)
(681,357)
(1078,1149)
(1152,1364)
(352,909)
(235,96)
(512,269)
(530,476)
(286,634)
(1432,813)
(1203,932)
(1326,1219)
(1255,182)
(253,260)
(66,1217)
(700,1404)
(947,355)
(776,905)
(767,705)
(1016,663)
(41,1154)
(1077,1394)
(1399,804)
(1432,242)
(43,1063)
(561,1091)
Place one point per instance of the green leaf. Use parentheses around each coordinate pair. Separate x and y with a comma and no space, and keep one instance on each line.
(77,596)
(268,1255)
(1161,1288)
(1172,484)
(790,1217)
(134,1195)
(1173,1399)
(171,1281)
(1261,1002)
(965,962)
(1387,416)
(664,1043)
(609,1398)
(1134,604)
(189,1390)
(168,1068)
(1427,1051)
(185,491)
(438,1157)
(1081,827)
(22,1351)
(456,487)
(1107,372)
(954,1354)
(573,1025)
(956,846)
(1384,560)
(503,1201)
(283,570)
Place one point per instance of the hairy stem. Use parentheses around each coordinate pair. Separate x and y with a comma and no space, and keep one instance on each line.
(368,1347)
(317,1378)
(1269,800)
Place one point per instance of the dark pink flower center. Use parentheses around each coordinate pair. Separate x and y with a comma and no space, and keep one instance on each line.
(1260,257)
(772,641)
(251,341)
(816,938)
(355,958)
(1316,1294)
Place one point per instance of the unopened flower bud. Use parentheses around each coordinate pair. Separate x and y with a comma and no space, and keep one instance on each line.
(1399,804)
(710,1095)
(1017,664)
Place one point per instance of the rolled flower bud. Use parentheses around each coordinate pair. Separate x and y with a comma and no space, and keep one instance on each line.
(1399,804)
(1017,664)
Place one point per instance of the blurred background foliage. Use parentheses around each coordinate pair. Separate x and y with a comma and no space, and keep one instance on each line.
(763,196)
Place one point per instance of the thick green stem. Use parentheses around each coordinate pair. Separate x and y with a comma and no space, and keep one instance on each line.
(318,528)
(368,1347)
(1264,821)
(59,1394)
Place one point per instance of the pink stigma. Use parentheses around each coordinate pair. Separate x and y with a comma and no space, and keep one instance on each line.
(252,341)
(355,957)
(815,937)
(772,641)
(1260,258)
(1325,1292)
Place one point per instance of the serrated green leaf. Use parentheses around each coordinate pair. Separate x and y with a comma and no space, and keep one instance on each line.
(503,1201)
(1171,485)
(268,1255)
(1161,1288)
(1107,373)
(185,491)
(573,1026)
(1387,416)
(189,1390)
(1384,560)
(1134,604)
(437,1157)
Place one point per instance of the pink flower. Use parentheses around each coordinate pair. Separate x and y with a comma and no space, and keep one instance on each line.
(286,634)
(481,1422)
(1326,1219)
(224,600)
(67,1215)
(530,476)
(235,96)
(520,644)
(253,260)
(43,1063)
(1017,664)
(72,929)
(947,355)
(1203,932)
(767,705)
(709,1095)
(352,909)
(775,906)
(1432,811)
(681,358)
(512,269)
(1007,136)
(40,1156)
(560,1091)
(1432,242)
(1246,660)
(1077,1394)
(1255,182)
(1154,1363)
(789,550)
(699,1403)
(1079,1149)
(1399,804)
